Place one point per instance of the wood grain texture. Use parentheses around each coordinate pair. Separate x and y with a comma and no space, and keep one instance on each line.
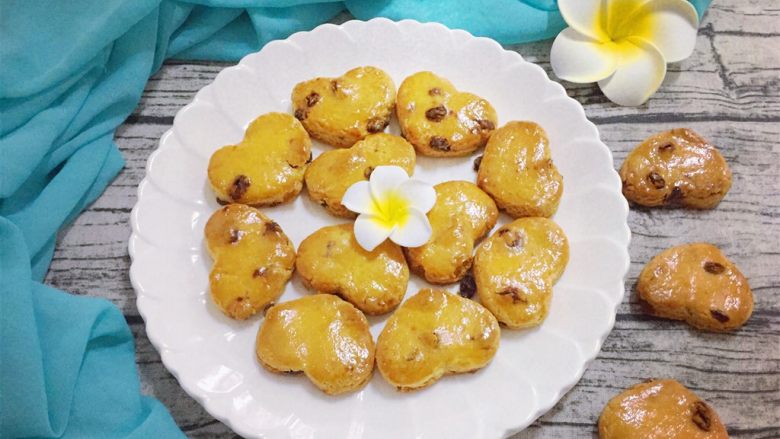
(728,91)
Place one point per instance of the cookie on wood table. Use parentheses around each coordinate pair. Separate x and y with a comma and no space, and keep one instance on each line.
(659,409)
(322,336)
(333,172)
(516,267)
(432,334)
(340,111)
(675,168)
(331,261)
(518,172)
(267,167)
(441,121)
(253,260)
(463,213)
(698,284)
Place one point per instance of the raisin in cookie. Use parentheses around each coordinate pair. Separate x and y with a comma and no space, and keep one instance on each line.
(333,172)
(659,409)
(267,167)
(253,260)
(322,336)
(435,333)
(462,214)
(340,111)
(516,267)
(441,121)
(698,284)
(675,168)
(331,261)
(518,172)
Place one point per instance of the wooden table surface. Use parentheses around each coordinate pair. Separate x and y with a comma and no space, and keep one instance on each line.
(728,91)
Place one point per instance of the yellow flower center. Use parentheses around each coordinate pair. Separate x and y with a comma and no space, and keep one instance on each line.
(391,210)
(618,21)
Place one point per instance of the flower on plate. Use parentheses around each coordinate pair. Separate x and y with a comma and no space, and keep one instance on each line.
(390,205)
(623,44)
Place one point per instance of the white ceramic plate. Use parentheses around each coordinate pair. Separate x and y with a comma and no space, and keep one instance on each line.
(213,356)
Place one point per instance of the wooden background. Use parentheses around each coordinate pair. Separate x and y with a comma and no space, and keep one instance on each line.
(728,91)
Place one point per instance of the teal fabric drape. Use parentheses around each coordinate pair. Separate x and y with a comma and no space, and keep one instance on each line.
(70,73)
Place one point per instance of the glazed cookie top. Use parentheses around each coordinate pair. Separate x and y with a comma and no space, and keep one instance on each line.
(676,167)
(340,111)
(441,121)
(267,167)
(333,172)
(322,336)
(432,334)
(253,260)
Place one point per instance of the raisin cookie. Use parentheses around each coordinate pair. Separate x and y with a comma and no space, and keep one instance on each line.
(675,168)
(253,260)
(659,409)
(333,172)
(698,284)
(441,121)
(518,172)
(462,215)
(516,268)
(331,261)
(322,336)
(435,333)
(340,111)
(267,167)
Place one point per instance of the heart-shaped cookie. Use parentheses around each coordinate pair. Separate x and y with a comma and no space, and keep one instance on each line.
(439,120)
(322,336)
(331,261)
(518,172)
(698,284)
(267,167)
(462,214)
(333,172)
(432,334)
(253,260)
(340,111)
(675,168)
(660,409)
(516,268)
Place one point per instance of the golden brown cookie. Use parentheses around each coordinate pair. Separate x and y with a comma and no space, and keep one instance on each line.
(267,167)
(698,284)
(253,260)
(322,336)
(441,121)
(518,172)
(462,215)
(659,409)
(331,261)
(675,168)
(333,172)
(435,333)
(340,111)
(516,267)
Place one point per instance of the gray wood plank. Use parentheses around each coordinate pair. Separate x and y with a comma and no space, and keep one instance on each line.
(728,91)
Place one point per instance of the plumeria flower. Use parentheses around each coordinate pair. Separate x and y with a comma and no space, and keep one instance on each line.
(623,44)
(390,205)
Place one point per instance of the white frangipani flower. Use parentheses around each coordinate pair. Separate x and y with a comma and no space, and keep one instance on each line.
(390,205)
(623,44)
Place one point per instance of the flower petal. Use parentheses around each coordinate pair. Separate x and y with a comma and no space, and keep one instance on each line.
(670,25)
(385,179)
(585,16)
(577,58)
(617,14)
(358,198)
(415,232)
(421,195)
(369,232)
(641,70)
